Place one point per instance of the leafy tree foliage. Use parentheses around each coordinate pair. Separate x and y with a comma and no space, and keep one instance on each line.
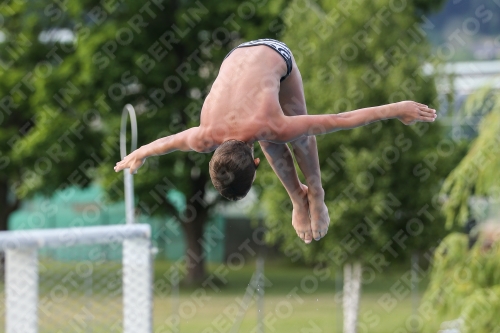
(159,56)
(465,284)
(478,172)
(381,181)
(44,143)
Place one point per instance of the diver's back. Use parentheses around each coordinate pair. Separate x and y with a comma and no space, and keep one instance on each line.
(248,81)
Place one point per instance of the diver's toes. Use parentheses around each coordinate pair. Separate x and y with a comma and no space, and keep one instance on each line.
(308,238)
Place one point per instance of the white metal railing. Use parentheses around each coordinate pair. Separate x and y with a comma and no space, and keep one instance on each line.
(21,280)
(128,178)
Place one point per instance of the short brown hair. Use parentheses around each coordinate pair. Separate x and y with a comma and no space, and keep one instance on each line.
(232,169)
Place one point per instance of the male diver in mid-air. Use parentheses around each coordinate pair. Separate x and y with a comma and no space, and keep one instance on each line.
(251,100)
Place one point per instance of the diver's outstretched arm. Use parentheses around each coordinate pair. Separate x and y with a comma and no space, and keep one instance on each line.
(188,140)
(408,112)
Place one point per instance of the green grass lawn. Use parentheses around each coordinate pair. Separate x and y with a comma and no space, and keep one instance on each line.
(316,311)
(297,299)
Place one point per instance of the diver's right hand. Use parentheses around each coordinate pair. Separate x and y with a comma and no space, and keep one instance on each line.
(132,161)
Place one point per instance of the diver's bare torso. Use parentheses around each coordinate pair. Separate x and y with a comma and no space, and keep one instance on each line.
(243,103)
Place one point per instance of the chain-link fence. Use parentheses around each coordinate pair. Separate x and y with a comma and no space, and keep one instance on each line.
(78,288)
(81,295)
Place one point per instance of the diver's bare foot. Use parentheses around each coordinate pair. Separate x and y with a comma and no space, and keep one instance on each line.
(320,220)
(300,217)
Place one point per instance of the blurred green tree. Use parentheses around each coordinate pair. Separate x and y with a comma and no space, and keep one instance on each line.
(159,56)
(464,286)
(478,173)
(381,181)
(43,143)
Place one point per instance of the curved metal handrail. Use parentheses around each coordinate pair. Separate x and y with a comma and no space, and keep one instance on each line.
(128,110)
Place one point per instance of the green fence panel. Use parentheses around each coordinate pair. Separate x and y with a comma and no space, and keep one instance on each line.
(74,207)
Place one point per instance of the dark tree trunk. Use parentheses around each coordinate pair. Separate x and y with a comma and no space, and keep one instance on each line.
(4,217)
(6,208)
(195,218)
(195,260)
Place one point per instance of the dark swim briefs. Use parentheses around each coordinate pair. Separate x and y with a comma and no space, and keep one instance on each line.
(277,46)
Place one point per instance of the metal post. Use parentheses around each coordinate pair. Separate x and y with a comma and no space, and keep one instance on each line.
(129,111)
(137,291)
(129,196)
(245,303)
(414,286)
(338,304)
(21,288)
(260,294)
(175,279)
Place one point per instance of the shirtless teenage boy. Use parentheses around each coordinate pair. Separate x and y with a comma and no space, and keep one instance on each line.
(258,96)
